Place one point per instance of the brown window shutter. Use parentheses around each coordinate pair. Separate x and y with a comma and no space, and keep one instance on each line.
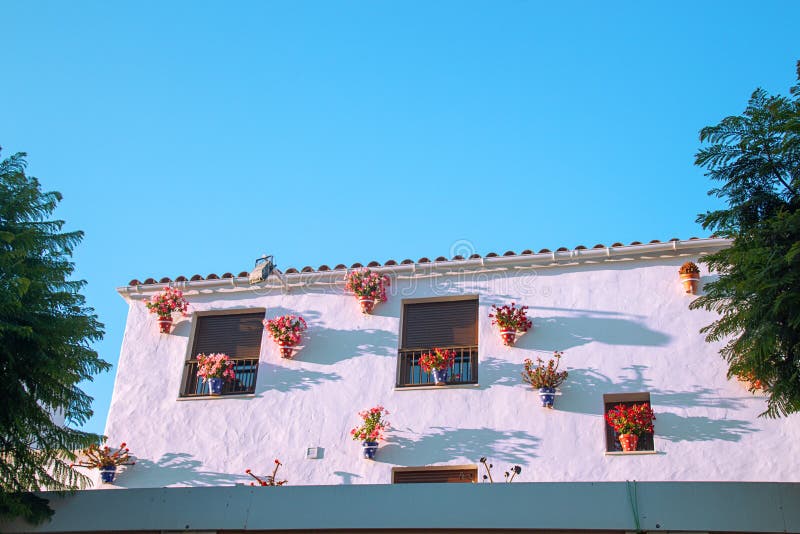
(440,324)
(237,335)
(429,475)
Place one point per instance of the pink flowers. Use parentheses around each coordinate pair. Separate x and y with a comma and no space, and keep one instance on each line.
(167,302)
(286,329)
(215,366)
(367,284)
(511,318)
(374,425)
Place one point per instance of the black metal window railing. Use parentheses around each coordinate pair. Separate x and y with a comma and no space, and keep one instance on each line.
(245,381)
(463,371)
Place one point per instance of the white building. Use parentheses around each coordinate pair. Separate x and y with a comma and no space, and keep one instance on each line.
(620,315)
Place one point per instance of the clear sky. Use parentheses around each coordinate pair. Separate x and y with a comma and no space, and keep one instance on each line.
(191,137)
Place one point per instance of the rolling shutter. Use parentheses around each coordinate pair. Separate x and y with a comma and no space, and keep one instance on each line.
(440,324)
(237,335)
(435,475)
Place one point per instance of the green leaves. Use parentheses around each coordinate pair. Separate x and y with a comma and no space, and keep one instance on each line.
(756,157)
(45,335)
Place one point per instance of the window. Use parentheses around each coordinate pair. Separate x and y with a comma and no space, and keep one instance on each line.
(450,324)
(435,474)
(236,334)
(612,399)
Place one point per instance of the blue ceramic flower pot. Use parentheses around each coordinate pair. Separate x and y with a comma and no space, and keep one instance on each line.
(439,376)
(215,386)
(548,396)
(369,448)
(107,474)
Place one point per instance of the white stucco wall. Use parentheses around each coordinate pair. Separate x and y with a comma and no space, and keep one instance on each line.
(624,327)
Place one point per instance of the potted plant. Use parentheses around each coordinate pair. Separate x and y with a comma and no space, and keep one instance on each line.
(215,369)
(371,430)
(165,304)
(268,480)
(368,286)
(545,377)
(105,459)
(690,277)
(511,320)
(286,330)
(630,421)
(438,363)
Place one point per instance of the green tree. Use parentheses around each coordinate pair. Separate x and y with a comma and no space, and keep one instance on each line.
(45,335)
(756,157)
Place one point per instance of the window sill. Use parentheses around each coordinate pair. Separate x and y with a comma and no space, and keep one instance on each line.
(632,453)
(217,397)
(448,386)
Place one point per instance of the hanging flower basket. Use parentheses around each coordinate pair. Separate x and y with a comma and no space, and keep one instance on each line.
(545,377)
(370,432)
(512,321)
(164,304)
(286,331)
(690,277)
(369,288)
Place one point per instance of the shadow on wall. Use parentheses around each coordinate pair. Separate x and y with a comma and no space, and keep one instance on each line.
(497,372)
(175,469)
(347,478)
(513,446)
(674,427)
(328,346)
(566,332)
(272,377)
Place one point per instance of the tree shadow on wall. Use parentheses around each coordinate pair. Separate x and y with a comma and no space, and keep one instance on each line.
(284,378)
(674,427)
(566,332)
(514,446)
(497,372)
(175,469)
(328,345)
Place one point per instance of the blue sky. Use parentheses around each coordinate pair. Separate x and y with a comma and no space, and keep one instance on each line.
(192,137)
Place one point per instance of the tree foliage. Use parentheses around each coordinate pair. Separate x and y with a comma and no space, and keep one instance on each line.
(45,335)
(756,158)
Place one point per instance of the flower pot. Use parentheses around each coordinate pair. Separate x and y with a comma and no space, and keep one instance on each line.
(107,473)
(214,386)
(287,351)
(165,324)
(439,376)
(628,442)
(368,449)
(548,397)
(690,281)
(367,304)
(509,337)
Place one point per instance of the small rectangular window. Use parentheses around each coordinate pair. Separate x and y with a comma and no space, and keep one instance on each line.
(610,400)
(435,474)
(236,334)
(448,324)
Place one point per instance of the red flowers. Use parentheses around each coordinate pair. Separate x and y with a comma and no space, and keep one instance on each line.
(511,318)
(167,302)
(374,425)
(438,359)
(286,329)
(99,457)
(631,419)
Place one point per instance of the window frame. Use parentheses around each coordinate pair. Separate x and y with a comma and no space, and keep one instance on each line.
(464,352)
(612,445)
(188,357)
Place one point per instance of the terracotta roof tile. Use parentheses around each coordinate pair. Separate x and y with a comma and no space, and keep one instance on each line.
(390,262)
(509,253)
(165,280)
(244,274)
(356,266)
(475,256)
(526,252)
(580,247)
(423,260)
(181,279)
(599,245)
(307,269)
(150,281)
(373,264)
(292,270)
(491,255)
(212,276)
(323,268)
(195,277)
(227,275)
(562,249)
(407,261)
(340,267)
(457,257)
(440,258)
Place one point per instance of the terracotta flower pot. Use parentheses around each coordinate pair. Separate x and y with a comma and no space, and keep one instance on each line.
(509,337)
(629,442)
(690,281)
(367,304)
(165,324)
(287,351)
